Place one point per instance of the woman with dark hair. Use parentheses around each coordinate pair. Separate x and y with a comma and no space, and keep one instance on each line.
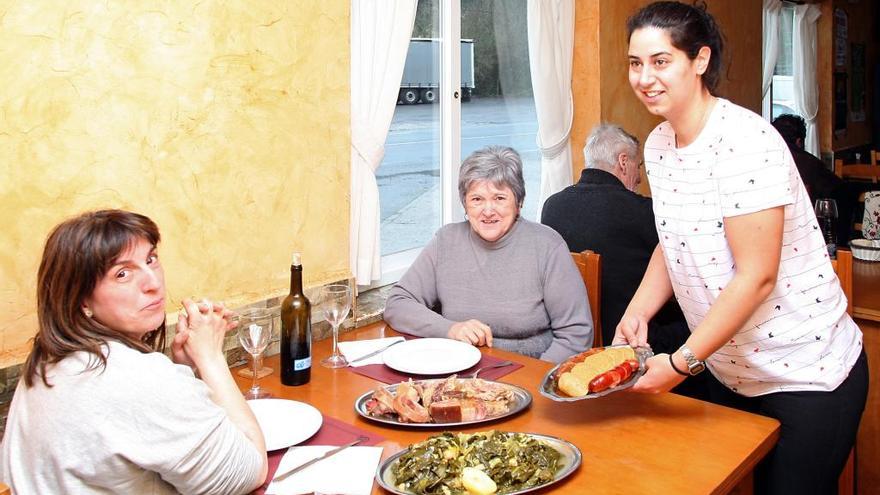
(742,252)
(495,279)
(99,408)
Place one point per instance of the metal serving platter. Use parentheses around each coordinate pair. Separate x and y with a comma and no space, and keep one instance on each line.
(571,459)
(548,384)
(522,399)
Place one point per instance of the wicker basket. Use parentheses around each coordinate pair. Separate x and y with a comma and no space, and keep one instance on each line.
(865,249)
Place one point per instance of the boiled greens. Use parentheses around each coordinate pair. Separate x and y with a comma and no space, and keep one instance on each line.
(515,461)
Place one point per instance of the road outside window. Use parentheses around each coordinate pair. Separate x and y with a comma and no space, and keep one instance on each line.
(498,109)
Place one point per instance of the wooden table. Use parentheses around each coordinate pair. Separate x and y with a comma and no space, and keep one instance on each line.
(631,443)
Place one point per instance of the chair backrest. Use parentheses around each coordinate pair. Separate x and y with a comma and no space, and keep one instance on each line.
(590,266)
(857,171)
(857,220)
(843,266)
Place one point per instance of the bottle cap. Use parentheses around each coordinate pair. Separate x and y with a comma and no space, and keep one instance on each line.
(297,259)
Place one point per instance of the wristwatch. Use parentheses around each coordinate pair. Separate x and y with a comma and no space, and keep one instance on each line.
(695,366)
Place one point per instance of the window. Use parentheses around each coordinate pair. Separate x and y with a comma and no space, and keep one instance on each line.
(417,178)
(781,93)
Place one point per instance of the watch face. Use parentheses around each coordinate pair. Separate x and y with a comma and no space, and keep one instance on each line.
(696,368)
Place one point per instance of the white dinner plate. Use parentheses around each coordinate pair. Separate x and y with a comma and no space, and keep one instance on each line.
(285,422)
(431,356)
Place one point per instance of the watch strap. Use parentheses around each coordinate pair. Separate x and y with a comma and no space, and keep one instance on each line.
(672,363)
(695,366)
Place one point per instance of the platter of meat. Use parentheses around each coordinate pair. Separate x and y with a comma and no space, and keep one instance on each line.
(595,373)
(442,402)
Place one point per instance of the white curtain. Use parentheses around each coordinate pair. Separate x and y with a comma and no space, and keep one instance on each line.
(551,43)
(806,85)
(380,33)
(772,9)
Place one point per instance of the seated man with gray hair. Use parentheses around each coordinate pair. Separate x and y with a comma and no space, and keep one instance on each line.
(495,279)
(603,213)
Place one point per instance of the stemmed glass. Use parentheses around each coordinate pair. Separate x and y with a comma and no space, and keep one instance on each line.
(826,214)
(255,333)
(335,303)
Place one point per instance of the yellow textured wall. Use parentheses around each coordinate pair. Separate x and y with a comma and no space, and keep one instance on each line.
(602,66)
(227,122)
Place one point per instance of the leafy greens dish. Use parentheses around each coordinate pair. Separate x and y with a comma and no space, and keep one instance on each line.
(480,463)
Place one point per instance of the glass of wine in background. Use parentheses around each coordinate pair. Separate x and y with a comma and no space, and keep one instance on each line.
(255,333)
(335,301)
(826,214)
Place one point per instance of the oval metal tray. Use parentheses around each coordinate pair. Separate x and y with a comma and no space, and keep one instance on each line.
(522,400)
(571,459)
(548,384)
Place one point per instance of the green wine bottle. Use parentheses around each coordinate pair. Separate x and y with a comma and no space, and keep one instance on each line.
(296,330)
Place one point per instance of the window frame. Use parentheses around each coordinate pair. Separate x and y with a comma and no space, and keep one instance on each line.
(394,265)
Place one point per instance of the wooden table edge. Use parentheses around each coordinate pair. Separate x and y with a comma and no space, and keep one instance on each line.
(747,467)
(866,314)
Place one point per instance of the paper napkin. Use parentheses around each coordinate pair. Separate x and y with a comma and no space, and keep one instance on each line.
(358,463)
(357,348)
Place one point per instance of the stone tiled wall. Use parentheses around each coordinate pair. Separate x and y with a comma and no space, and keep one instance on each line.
(366,309)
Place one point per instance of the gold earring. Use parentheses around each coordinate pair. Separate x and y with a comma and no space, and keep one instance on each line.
(88,312)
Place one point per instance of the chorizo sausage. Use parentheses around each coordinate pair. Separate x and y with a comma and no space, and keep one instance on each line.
(613,377)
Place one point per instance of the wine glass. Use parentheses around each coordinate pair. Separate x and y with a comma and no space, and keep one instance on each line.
(826,214)
(255,333)
(335,303)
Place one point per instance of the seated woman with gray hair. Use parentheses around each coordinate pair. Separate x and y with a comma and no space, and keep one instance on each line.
(495,279)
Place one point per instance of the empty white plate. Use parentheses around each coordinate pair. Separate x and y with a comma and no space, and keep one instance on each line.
(431,356)
(285,422)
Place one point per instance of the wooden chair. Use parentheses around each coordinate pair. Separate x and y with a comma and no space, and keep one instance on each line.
(843,266)
(857,222)
(4,490)
(589,264)
(857,171)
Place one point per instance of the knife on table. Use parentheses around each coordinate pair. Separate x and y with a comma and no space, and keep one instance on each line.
(279,477)
(380,351)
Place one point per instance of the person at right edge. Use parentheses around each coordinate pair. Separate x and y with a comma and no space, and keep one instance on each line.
(741,250)
(819,181)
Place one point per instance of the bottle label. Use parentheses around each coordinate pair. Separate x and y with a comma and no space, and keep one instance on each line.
(302,364)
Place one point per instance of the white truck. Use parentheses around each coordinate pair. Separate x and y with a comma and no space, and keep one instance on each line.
(421,74)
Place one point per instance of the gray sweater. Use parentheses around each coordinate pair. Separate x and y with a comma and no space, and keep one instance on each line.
(525,286)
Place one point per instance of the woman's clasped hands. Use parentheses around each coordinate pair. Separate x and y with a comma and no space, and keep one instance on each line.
(201,329)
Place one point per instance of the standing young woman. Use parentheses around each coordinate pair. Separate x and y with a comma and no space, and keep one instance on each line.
(741,251)
(98,409)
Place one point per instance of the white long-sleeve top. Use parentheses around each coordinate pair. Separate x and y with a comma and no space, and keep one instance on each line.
(141,425)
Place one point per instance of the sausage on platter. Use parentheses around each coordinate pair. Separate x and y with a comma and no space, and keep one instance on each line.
(614,376)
